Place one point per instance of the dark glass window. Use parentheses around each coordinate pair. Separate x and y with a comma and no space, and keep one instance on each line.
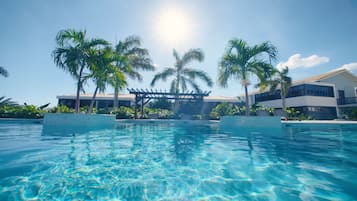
(315,90)
(299,90)
(70,103)
(295,91)
(267,96)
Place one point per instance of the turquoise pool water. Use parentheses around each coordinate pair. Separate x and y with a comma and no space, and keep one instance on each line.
(177,161)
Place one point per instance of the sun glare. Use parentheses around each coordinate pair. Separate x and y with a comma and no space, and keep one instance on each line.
(173,26)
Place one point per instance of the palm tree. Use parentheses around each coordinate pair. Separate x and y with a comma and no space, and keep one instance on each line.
(103,70)
(282,80)
(3,72)
(182,74)
(72,55)
(133,59)
(7,102)
(240,61)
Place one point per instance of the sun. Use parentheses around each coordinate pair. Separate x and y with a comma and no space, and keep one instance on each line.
(173,26)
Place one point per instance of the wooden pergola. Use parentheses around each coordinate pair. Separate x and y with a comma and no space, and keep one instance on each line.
(142,97)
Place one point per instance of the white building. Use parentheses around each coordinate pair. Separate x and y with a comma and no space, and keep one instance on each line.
(107,101)
(323,96)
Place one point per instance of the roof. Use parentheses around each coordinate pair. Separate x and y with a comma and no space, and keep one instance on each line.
(323,76)
(131,97)
(100,96)
(220,99)
(316,78)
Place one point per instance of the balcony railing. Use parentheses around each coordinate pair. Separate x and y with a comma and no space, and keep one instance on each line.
(347,100)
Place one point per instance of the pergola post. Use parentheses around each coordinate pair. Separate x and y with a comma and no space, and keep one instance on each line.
(142,107)
(135,107)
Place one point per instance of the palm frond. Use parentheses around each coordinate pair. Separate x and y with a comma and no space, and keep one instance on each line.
(194,85)
(265,47)
(65,37)
(163,75)
(141,63)
(96,42)
(129,43)
(261,69)
(133,57)
(4,72)
(138,52)
(237,46)
(192,74)
(7,102)
(43,106)
(228,67)
(192,55)
(176,55)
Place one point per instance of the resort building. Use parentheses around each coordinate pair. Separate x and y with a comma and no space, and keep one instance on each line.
(103,101)
(325,96)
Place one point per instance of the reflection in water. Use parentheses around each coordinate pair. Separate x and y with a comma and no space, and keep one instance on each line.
(71,155)
(188,139)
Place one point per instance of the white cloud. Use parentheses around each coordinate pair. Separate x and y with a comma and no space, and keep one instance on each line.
(350,66)
(296,61)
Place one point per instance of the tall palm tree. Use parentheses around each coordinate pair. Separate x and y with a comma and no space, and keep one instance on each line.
(3,72)
(72,55)
(280,79)
(182,74)
(240,61)
(104,70)
(133,59)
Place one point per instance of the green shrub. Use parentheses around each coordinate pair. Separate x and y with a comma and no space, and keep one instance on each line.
(263,110)
(223,109)
(161,104)
(124,112)
(104,111)
(26,111)
(159,113)
(61,109)
(292,113)
(351,113)
(84,109)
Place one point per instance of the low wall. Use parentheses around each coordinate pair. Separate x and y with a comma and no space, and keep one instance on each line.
(68,124)
(62,119)
(249,123)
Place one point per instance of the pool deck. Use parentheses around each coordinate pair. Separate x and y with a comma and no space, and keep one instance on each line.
(289,122)
(320,122)
(164,120)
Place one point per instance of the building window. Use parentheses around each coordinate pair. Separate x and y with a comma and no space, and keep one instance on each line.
(299,90)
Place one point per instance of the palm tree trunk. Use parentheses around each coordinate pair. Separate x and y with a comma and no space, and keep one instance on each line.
(284,105)
(79,85)
(92,101)
(116,92)
(177,90)
(247,109)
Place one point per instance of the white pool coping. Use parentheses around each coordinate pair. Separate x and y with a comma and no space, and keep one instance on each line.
(319,122)
(332,122)
(164,121)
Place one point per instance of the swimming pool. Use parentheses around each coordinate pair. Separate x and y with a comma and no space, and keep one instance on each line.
(167,160)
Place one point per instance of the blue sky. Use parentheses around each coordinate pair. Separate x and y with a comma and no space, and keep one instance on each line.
(312,37)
